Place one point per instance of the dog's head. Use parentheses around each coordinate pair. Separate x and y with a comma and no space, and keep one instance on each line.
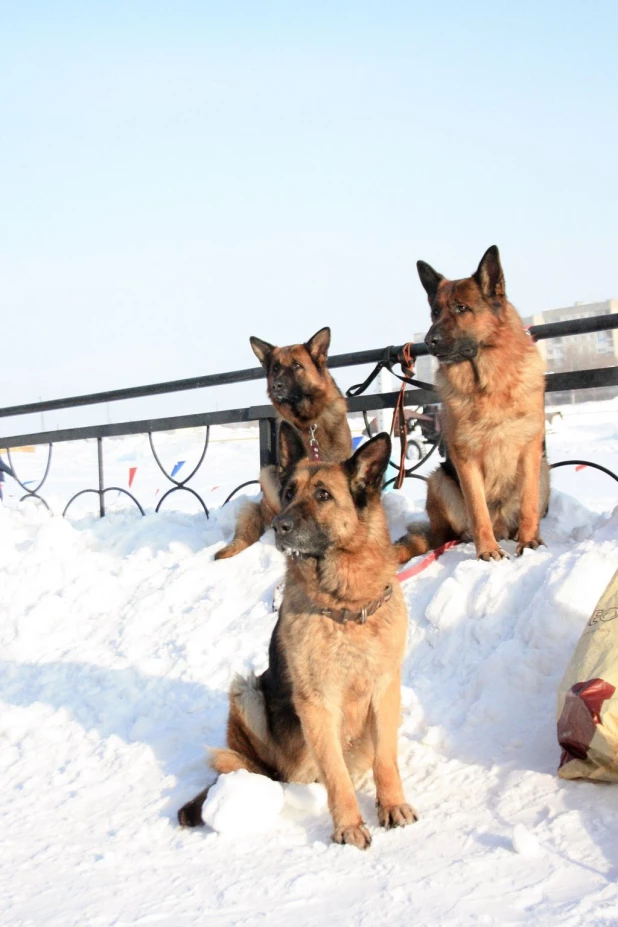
(327,507)
(296,373)
(464,313)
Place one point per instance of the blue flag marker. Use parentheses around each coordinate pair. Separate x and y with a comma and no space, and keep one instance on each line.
(177,467)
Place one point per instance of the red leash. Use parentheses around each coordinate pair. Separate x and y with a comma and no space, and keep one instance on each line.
(430,558)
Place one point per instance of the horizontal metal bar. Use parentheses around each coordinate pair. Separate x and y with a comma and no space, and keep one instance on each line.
(228,417)
(137,392)
(172,423)
(596,323)
(371,403)
(581,379)
(555,382)
(551,330)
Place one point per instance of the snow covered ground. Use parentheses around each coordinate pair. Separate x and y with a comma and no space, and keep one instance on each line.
(118,639)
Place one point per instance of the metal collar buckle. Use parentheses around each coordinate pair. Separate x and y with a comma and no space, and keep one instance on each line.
(314,447)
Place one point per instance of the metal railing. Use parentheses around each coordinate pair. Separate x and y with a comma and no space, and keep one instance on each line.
(264,415)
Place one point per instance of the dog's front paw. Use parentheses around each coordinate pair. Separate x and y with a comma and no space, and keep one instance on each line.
(396,815)
(532,544)
(495,554)
(357,835)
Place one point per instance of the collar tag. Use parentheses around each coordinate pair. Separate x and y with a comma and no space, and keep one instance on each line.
(314,447)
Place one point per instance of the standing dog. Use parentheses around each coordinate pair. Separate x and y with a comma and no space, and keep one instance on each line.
(304,393)
(494,482)
(327,707)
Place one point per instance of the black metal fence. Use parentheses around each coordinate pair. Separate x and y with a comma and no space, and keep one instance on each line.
(264,415)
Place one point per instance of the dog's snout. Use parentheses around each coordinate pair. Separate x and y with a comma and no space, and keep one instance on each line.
(282,524)
(278,385)
(434,339)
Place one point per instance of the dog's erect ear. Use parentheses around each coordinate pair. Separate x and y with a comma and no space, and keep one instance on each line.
(262,350)
(489,275)
(430,278)
(291,449)
(318,346)
(366,468)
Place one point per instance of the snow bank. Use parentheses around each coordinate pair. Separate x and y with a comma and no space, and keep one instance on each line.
(118,640)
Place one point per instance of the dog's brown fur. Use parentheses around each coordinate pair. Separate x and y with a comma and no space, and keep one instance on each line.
(495,481)
(304,393)
(327,708)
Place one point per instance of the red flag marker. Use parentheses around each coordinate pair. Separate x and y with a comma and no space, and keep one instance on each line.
(132,472)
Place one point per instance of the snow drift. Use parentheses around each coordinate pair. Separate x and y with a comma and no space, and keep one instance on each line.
(118,639)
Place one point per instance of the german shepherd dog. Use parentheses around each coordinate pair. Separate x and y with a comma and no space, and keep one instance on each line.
(304,393)
(327,708)
(494,483)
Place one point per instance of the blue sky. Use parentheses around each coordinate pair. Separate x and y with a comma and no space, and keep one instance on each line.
(176,177)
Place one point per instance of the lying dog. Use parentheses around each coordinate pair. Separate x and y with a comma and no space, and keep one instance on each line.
(327,707)
(304,393)
(494,483)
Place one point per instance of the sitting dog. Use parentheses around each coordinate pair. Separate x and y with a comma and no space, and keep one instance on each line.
(327,708)
(304,393)
(494,482)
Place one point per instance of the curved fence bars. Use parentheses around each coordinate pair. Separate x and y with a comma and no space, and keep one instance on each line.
(410,471)
(183,489)
(584,463)
(102,488)
(181,484)
(238,488)
(31,493)
(100,493)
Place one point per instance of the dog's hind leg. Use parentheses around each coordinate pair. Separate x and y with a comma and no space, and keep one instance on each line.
(446,508)
(447,518)
(254,517)
(414,542)
(249,528)
(249,744)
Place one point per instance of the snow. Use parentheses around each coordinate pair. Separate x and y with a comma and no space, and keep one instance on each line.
(243,803)
(119,638)
(309,798)
(525,842)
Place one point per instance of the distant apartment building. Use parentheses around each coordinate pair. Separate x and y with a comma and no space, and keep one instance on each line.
(579,352)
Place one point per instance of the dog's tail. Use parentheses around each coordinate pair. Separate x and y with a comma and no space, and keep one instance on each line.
(249,744)
(415,541)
